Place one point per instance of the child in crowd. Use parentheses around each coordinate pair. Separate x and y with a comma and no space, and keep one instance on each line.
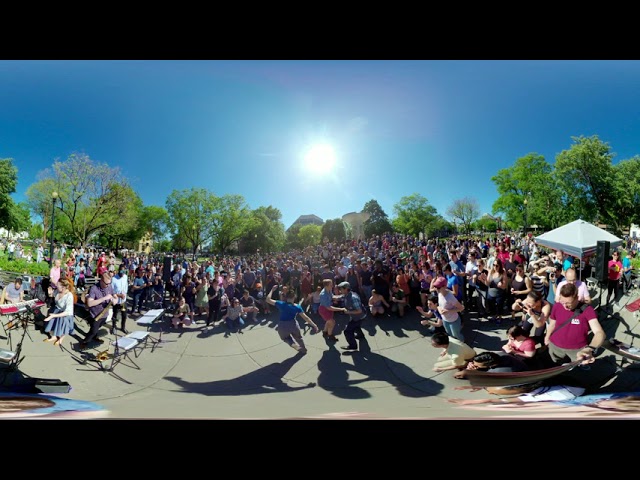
(183,314)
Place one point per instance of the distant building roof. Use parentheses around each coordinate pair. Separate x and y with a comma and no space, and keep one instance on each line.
(309,220)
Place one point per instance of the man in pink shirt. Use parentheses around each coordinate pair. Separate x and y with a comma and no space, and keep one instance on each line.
(583,292)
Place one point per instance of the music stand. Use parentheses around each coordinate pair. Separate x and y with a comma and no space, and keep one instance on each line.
(147,320)
(19,319)
(122,346)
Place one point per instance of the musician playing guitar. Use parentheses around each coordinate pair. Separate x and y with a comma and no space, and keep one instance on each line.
(13,292)
(100,297)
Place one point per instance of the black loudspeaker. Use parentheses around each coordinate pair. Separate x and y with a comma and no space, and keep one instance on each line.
(602,261)
(166,269)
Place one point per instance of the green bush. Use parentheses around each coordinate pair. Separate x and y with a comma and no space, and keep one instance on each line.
(21,266)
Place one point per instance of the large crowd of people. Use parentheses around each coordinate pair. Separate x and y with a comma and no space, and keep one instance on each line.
(539,295)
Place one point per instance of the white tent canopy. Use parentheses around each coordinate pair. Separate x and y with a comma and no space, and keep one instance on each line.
(578,239)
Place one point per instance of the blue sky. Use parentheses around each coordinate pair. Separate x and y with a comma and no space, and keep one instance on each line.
(438,128)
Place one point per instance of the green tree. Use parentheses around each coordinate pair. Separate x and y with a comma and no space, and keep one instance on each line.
(292,241)
(91,194)
(310,235)
(127,227)
(485,225)
(626,193)
(414,214)
(334,230)
(154,219)
(378,223)
(530,177)
(192,217)
(20,218)
(232,221)
(586,180)
(465,211)
(163,245)
(8,184)
(266,231)
(439,227)
(40,202)
(35,232)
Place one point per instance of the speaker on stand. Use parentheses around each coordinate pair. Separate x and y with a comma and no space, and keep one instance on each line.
(166,270)
(602,265)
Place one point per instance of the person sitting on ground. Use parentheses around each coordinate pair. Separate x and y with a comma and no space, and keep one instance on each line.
(182,315)
(432,317)
(376,302)
(519,343)
(494,362)
(455,354)
(398,300)
(233,317)
(249,309)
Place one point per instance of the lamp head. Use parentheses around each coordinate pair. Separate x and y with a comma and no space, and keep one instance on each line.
(54,195)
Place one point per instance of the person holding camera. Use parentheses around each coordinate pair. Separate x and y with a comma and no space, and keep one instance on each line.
(536,311)
(552,277)
(613,279)
(521,285)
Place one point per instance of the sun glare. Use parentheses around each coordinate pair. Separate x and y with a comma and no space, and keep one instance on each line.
(320,159)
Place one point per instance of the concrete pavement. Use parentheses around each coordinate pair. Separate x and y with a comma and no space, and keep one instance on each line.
(212,374)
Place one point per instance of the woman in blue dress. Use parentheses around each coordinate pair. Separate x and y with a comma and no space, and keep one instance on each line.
(60,321)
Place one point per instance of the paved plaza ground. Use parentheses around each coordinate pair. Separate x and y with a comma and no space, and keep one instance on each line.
(199,374)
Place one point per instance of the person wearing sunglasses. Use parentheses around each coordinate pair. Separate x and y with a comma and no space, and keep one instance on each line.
(100,297)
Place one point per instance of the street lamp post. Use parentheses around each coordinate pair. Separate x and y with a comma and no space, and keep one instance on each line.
(525,216)
(194,242)
(54,197)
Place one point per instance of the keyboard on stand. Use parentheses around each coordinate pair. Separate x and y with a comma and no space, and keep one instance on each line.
(19,314)
(20,307)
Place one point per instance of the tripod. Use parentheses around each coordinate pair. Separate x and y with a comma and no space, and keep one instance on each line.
(15,359)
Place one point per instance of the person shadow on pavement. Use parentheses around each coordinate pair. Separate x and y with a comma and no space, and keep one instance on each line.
(266,379)
(334,376)
(380,368)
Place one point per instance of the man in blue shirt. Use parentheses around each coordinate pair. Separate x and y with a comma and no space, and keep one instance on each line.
(287,326)
(353,308)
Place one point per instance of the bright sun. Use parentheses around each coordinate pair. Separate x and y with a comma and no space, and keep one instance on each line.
(320,159)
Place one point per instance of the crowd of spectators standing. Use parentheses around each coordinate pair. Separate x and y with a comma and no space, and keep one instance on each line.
(503,278)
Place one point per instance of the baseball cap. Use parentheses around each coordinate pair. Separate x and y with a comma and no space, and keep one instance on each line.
(344,285)
(440,282)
